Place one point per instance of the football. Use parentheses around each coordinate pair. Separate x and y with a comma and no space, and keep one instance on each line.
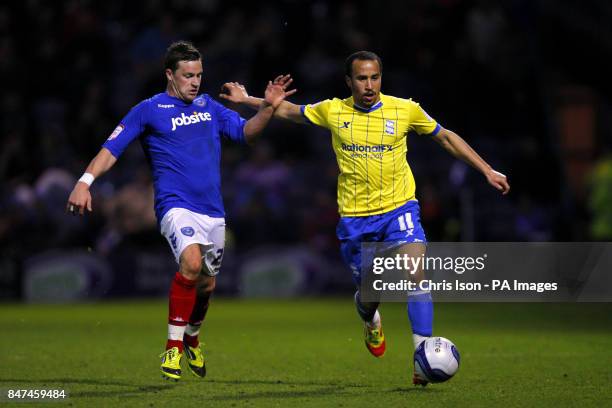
(436,359)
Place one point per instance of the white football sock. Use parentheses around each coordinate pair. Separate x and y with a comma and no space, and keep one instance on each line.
(175,332)
(375,323)
(418,339)
(192,330)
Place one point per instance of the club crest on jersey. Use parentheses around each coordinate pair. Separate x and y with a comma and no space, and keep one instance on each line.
(116,132)
(185,120)
(199,102)
(390,127)
(187,231)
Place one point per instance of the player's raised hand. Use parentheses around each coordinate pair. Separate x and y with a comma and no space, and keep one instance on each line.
(234,92)
(276,91)
(284,81)
(79,199)
(498,180)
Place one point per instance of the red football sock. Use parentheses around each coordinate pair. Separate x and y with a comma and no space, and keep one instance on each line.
(195,321)
(182,299)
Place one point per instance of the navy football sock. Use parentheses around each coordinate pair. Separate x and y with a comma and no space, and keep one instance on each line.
(365,310)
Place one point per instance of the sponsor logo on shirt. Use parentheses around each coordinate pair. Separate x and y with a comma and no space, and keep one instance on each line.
(358,151)
(186,120)
(116,132)
(354,147)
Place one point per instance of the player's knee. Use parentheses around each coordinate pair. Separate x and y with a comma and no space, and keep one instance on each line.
(191,267)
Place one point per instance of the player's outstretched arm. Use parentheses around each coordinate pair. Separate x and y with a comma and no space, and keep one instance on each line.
(459,148)
(237,93)
(275,95)
(80,197)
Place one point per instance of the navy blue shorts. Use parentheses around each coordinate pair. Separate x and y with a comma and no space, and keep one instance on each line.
(400,226)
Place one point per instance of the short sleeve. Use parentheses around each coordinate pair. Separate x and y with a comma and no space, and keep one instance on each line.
(421,122)
(317,113)
(130,127)
(231,124)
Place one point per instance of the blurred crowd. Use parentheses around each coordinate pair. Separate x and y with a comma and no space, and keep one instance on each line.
(487,70)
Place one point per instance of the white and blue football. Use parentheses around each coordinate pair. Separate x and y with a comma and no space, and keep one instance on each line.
(436,359)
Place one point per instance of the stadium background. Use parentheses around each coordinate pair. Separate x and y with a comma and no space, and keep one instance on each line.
(526,83)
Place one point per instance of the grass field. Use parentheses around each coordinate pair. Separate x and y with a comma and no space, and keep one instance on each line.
(309,353)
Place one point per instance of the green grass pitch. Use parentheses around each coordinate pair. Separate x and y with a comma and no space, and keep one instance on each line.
(309,353)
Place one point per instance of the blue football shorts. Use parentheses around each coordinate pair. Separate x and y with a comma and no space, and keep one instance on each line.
(396,227)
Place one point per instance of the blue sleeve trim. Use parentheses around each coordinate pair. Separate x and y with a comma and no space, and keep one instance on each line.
(436,130)
(112,151)
(302,109)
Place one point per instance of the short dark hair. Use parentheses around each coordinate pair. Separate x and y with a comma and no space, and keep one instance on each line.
(180,51)
(362,56)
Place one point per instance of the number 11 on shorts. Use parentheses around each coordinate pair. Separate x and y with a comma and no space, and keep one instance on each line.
(405,222)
